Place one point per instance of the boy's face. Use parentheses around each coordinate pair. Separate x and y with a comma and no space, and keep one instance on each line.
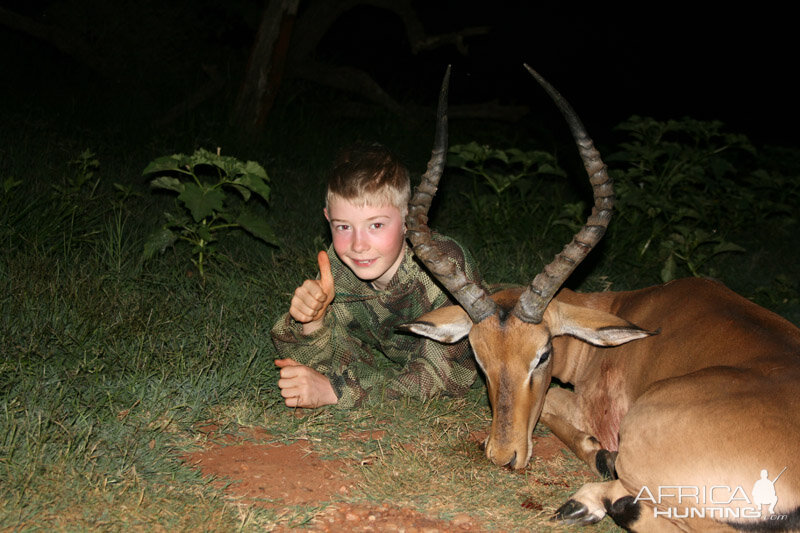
(369,240)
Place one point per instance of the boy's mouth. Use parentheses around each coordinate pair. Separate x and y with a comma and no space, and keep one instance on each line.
(363,262)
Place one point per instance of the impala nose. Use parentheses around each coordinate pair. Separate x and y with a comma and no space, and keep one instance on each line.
(501,459)
(513,462)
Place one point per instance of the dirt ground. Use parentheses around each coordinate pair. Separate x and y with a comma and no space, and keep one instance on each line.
(277,475)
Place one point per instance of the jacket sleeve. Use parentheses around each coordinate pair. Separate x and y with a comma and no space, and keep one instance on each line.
(311,350)
(315,350)
(433,369)
(360,377)
(351,366)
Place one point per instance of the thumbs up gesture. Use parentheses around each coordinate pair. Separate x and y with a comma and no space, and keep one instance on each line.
(311,299)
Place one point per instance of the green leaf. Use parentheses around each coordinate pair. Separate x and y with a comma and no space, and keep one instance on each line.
(668,271)
(257,227)
(10,183)
(169,183)
(244,191)
(546,168)
(176,219)
(251,167)
(455,160)
(468,153)
(500,154)
(158,241)
(167,163)
(201,203)
(204,232)
(256,183)
(726,247)
(230,166)
(201,156)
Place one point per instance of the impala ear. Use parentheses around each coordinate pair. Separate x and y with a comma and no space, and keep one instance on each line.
(447,324)
(593,326)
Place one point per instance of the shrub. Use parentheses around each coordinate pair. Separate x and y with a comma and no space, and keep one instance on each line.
(203,208)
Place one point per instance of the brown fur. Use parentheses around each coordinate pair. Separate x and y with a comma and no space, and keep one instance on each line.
(713,398)
(710,397)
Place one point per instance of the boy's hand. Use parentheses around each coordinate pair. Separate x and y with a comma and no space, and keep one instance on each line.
(311,299)
(302,386)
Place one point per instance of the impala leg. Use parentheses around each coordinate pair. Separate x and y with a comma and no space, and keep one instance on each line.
(562,415)
(591,503)
(594,501)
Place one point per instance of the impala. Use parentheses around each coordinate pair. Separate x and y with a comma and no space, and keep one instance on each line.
(683,396)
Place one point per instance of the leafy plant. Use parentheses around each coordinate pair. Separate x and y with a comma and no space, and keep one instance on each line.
(683,188)
(83,169)
(73,209)
(500,169)
(782,291)
(9,184)
(677,186)
(503,179)
(60,212)
(694,247)
(204,209)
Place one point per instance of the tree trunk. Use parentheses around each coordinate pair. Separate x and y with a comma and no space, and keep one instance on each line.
(265,65)
(272,53)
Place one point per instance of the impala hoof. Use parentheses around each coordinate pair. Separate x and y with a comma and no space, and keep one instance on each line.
(574,512)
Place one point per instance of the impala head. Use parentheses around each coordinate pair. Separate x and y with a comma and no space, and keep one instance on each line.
(511,332)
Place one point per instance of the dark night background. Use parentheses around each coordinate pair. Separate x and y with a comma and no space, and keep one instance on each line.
(736,64)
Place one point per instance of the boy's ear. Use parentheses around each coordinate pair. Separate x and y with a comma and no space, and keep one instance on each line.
(327,216)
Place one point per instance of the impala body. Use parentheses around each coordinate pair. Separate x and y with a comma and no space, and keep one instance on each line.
(685,395)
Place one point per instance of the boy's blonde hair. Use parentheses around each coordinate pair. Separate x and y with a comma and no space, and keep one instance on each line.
(370,175)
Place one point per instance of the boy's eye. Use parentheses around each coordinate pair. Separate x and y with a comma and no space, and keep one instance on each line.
(342,227)
(377,225)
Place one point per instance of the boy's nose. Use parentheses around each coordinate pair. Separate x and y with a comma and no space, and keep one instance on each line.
(360,244)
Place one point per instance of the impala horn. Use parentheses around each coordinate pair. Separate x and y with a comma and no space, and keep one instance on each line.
(533,301)
(473,298)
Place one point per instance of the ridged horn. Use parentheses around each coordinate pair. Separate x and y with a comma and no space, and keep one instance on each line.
(473,298)
(535,298)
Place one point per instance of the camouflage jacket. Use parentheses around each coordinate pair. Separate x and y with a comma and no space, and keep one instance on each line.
(359,348)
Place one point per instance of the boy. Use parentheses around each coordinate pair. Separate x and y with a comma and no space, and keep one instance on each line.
(338,342)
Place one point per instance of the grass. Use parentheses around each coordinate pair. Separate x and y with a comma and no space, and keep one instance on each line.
(432,463)
(110,364)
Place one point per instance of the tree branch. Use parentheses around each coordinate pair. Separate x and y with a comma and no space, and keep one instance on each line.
(349,79)
(68,43)
(418,38)
(320,15)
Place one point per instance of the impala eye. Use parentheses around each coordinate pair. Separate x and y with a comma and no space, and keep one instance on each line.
(544,355)
(543,358)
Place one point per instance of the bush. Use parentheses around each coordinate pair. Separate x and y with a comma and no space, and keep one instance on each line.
(683,188)
(203,209)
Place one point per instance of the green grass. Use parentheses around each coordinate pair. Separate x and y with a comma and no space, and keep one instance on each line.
(105,379)
(110,364)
